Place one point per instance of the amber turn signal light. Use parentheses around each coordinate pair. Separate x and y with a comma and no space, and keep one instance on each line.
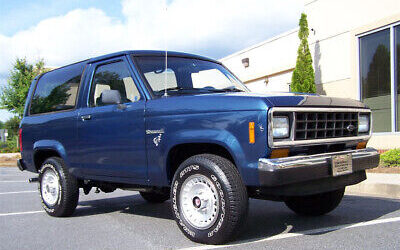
(252,137)
(279,153)
(361,145)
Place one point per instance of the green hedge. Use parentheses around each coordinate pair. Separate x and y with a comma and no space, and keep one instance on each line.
(10,146)
(391,157)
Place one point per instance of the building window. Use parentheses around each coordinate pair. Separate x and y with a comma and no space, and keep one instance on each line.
(379,67)
(375,77)
(397,73)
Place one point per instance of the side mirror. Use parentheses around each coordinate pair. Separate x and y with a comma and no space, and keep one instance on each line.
(110,97)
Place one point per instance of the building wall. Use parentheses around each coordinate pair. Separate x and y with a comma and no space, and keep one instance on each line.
(333,43)
(333,40)
(268,59)
(276,83)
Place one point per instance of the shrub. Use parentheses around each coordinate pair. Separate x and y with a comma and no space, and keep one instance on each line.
(303,78)
(10,146)
(391,157)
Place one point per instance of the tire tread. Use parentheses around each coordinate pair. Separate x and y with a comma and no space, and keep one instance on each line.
(69,188)
(236,192)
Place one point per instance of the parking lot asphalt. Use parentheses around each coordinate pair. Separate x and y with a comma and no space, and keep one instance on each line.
(123,220)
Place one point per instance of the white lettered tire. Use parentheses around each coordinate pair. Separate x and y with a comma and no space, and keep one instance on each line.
(208,198)
(59,191)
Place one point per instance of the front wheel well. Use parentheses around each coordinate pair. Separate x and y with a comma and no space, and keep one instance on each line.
(41,155)
(181,152)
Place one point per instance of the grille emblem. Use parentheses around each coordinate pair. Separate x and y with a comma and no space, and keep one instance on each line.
(350,128)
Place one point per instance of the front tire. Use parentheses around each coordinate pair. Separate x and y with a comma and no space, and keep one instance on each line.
(209,199)
(59,191)
(317,204)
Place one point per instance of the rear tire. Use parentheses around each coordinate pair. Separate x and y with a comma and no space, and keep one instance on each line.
(155,197)
(317,204)
(59,191)
(209,199)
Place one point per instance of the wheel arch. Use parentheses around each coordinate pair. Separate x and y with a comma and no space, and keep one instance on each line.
(45,149)
(180,152)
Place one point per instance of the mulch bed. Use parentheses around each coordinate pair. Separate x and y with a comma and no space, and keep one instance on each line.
(382,169)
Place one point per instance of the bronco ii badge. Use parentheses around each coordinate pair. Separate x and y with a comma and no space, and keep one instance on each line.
(158,131)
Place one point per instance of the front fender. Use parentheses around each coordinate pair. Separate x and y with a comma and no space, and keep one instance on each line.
(229,130)
(213,136)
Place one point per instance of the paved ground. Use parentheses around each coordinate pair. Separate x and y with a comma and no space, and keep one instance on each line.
(123,220)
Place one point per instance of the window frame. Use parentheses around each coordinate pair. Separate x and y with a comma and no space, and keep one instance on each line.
(95,66)
(77,91)
(393,73)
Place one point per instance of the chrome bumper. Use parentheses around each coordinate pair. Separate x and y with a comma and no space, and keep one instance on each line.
(286,170)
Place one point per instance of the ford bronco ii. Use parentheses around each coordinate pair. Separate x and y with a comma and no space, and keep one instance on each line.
(186,129)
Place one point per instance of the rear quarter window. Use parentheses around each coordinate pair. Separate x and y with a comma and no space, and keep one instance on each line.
(57,90)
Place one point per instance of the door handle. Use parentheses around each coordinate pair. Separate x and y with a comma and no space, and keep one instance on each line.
(86,117)
(121,106)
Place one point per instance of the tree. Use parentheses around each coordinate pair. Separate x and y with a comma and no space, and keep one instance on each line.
(12,126)
(303,79)
(13,96)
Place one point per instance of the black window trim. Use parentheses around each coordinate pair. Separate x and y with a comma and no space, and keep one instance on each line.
(98,64)
(57,111)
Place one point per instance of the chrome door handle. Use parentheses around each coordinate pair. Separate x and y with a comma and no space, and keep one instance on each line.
(86,117)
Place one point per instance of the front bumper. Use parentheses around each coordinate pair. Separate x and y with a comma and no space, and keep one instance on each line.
(306,169)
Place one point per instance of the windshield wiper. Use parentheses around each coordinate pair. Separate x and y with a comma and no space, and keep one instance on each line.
(182,90)
(232,89)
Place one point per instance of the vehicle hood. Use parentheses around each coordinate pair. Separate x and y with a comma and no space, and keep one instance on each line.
(240,101)
(285,99)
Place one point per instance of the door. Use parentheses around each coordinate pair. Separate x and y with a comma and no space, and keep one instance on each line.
(112,136)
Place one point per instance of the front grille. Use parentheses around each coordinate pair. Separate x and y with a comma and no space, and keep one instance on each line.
(321,125)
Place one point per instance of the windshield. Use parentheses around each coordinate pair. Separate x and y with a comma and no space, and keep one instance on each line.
(186,76)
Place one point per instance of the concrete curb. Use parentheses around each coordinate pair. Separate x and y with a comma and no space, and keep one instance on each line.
(384,185)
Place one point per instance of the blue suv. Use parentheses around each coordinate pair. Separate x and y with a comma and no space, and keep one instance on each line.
(186,129)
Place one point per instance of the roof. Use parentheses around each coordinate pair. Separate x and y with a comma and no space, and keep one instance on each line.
(150,53)
(135,53)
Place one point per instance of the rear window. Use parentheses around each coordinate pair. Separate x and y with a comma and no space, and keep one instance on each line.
(57,90)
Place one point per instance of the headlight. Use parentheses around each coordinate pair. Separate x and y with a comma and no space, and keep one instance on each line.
(280,127)
(363,123)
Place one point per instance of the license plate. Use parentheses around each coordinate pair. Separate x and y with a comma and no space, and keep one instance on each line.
(341,164)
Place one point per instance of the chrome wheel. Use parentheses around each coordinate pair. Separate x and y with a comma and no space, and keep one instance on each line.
(199,201)
(50,187)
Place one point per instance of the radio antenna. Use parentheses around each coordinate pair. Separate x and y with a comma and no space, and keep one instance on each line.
(166,50)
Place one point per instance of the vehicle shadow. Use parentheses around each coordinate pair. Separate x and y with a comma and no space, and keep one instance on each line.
(268,218)
(265,218)
(132,204)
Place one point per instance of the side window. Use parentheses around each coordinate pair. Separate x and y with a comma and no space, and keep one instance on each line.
(57,90)
(113,76)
